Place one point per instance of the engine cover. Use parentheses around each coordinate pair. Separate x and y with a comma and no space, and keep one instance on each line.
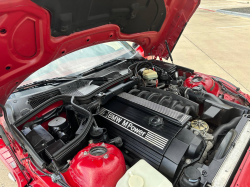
(150,132)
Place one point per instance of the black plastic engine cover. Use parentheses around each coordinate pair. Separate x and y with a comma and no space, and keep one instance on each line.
(165,147)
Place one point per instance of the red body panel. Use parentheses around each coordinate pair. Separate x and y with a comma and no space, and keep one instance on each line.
(87,170)
(9,162)
(213,87)
(140,50)
(206,81)
(26,44)
(242,178)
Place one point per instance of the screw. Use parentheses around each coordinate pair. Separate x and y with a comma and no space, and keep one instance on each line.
(196,132)
(204,172)
(100,94)
(103,144)
(105,156)
(188,161)
(85,153)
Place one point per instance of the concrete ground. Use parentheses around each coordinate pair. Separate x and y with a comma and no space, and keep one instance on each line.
(214,42)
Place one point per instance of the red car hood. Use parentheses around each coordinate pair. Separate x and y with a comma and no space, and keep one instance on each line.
(34,33)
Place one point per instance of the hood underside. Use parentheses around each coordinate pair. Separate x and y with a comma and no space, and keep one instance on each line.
(34,33)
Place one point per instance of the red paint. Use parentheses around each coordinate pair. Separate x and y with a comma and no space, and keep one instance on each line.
(140,50)
(242,177)
(87,170)
(9,162)
(206,81)
(21,36)
(213,87)
(22,55)
(206,9)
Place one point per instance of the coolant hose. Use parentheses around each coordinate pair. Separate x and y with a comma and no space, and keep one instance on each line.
(225,127)
(199,96)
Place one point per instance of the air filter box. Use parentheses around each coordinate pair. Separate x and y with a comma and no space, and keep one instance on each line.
(40,138)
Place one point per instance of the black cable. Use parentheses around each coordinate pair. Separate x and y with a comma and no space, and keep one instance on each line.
(62,183)
(47,174)
(64,167)
(225,89)
(34,171)
(139,63)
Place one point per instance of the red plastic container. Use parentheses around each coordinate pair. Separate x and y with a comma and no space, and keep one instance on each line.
(98,165)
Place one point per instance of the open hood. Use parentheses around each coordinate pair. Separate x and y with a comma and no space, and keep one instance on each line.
(34,33)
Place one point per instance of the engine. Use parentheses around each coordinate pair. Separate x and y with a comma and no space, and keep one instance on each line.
(182,125)
(152,132)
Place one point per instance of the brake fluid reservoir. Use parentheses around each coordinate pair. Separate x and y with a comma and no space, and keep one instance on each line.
(143,174)
(149,74)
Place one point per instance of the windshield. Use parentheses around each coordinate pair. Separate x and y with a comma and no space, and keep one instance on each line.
(82,60)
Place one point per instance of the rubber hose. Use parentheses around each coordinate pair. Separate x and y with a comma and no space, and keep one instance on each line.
(199,97)
(225,127)
(212,97)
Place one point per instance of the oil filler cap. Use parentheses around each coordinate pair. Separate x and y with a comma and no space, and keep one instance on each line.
(156,121)
(135,180)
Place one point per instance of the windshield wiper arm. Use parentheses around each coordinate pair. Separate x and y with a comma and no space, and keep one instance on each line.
(46,82)
(108,63)
(102,66)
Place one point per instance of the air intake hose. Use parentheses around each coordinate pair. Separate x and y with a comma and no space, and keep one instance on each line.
(198,95)
(225,127)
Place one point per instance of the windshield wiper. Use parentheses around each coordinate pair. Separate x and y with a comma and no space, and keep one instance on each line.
(102,66)
(47,82)
(109,63)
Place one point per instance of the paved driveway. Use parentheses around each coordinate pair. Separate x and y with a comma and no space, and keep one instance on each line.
(217,43)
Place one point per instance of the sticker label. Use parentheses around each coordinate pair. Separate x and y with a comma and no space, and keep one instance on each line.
(134,128)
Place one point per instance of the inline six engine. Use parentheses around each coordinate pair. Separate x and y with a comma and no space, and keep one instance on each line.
(182,123)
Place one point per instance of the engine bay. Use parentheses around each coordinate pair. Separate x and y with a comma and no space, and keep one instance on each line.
(183,123)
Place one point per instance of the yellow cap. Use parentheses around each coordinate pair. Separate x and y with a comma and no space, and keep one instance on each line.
(149,74)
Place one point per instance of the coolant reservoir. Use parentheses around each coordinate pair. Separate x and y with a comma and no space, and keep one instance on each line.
(143,174)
